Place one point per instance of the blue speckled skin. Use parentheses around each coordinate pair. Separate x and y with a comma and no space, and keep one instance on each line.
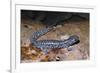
(46,45)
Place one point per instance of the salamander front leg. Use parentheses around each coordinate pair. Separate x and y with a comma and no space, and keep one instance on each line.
(45,50)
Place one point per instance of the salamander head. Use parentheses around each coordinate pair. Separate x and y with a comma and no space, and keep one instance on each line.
(72,40)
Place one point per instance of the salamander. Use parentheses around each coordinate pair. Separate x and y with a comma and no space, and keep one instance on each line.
(46,45)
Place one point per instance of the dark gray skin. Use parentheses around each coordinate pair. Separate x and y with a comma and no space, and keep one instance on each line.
(47,45)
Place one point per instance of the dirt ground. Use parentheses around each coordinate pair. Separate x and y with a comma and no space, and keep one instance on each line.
(80,51)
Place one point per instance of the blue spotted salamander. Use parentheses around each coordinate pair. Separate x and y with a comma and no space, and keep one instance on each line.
(47,45)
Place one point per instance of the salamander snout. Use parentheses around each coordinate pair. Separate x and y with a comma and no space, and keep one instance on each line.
(73,40)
